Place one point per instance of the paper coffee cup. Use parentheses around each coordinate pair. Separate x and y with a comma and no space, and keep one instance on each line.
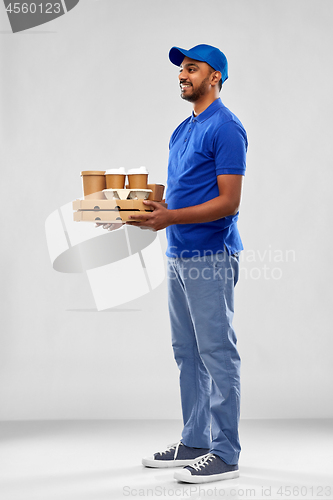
(138,178)
(93,181)
(115,178)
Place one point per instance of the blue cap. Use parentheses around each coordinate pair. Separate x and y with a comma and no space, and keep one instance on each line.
(204,53)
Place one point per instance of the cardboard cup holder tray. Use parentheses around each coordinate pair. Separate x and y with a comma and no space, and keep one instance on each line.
(114,210)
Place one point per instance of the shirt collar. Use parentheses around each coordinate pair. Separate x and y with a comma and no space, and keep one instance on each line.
(212,108)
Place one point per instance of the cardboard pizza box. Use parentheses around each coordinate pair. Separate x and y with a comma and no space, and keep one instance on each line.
(105,215)
(109,205)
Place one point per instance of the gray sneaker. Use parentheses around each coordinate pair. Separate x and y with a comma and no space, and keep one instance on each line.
(176,455)
(208,468)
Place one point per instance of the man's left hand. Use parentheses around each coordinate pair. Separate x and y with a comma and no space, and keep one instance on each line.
(159,219)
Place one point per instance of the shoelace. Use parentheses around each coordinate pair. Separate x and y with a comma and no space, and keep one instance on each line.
(172,447)
(203,461)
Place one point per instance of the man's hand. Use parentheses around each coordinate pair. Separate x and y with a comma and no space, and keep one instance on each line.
(109,227)
(159,219)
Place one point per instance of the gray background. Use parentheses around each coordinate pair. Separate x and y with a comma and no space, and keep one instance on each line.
(93,90)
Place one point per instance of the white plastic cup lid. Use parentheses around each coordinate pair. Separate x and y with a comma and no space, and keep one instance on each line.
(139,170)
(119,171)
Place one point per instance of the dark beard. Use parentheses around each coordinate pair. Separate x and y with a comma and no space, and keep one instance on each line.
(196,94)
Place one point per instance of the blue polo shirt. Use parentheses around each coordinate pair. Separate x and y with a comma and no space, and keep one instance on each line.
(201,148)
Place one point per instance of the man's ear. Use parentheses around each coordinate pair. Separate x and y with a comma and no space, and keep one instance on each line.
(216,77)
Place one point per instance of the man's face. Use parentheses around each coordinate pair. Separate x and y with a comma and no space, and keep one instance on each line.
(194,79)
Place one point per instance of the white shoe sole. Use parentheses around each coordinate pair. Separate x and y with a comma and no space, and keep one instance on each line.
(163,464)
(186,477)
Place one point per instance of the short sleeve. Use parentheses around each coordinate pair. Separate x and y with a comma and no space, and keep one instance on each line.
(230,147)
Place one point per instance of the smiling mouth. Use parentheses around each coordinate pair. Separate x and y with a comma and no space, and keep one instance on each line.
(184,86)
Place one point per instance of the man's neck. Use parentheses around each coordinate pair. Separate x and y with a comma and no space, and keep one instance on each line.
(200,105)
